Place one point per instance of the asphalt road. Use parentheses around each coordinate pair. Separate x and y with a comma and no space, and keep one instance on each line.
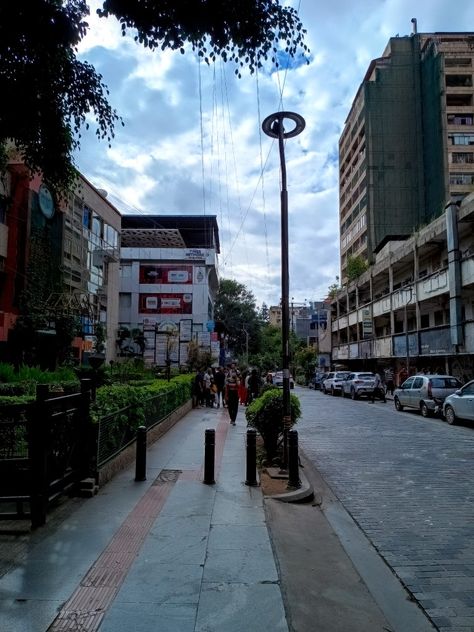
(408,483)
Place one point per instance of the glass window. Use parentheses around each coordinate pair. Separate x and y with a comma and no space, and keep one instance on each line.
(460,119)
(96,225)
(87,217)
(418,382)
(408,383)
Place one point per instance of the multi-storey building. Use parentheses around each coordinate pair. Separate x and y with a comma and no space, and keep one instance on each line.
(408,141)
(168,286)
(414,307)
(56,263)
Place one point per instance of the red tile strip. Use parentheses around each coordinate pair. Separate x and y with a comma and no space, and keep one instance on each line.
(86,607)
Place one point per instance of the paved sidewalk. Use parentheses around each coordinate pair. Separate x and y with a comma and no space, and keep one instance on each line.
(168,554)
(172,554)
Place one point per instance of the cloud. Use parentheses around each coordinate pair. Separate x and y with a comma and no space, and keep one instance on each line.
(192,141)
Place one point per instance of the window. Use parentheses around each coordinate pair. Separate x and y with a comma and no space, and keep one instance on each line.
(87,217)
(458,157)
(461,178)
(97,226)
(458,100)
(418,382)
(460,119)
(459,81)
(425,321)
(461,139)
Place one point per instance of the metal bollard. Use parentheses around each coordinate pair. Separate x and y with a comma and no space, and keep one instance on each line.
(293,460)
(251,478)
(209,450)
(140,462)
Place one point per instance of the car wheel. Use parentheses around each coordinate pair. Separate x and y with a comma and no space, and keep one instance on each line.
(450,415)
(398,406)
(424,410)
(353,394)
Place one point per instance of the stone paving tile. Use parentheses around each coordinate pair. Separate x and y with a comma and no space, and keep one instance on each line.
(408,483)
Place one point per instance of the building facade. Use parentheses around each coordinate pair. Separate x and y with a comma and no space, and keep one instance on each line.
(413,310)
(50,272)
(407,144)
(168,286)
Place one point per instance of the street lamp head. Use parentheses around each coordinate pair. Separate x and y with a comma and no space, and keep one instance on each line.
(271,125)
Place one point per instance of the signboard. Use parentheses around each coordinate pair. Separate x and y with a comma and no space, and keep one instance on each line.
(367,326)
(166,274)
(185,329)
(195,253)
(435,342)
(210,325)
(165,303)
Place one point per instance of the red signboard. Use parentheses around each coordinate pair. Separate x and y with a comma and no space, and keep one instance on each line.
(166,303)
(166,274)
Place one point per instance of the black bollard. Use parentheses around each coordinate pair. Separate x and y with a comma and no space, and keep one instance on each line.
(251,457)
(209,449)
(293,461)
(140,462)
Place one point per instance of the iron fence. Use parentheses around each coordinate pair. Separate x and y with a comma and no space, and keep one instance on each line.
(118,429)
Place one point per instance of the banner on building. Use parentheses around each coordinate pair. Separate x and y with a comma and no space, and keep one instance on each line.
(166,274)
(165,303)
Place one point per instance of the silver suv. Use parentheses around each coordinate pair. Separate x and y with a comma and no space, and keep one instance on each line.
(426,393)
(357,384)
(333,382)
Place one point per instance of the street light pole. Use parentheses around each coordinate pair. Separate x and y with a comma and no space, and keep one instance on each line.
(273,127)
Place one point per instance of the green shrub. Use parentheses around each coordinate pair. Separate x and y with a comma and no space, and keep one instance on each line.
(265,414)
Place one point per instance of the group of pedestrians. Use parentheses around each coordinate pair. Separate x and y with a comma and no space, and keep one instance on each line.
(225,387)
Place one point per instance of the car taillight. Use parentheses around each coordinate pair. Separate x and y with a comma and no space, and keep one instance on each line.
(430,389)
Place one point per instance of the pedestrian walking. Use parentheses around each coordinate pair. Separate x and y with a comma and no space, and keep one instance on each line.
(253,386)
(379,390)
(232,393)
(219,381)
(389,380)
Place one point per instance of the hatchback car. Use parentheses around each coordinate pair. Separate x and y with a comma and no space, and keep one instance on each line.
(357,384)
(426,393)
(333,382)
(460,405)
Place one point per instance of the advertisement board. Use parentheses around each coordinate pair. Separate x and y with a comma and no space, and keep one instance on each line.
(165,303)
(161,274)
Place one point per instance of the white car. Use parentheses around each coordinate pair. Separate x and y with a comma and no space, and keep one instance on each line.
(278,380)
(333,383)
(357,384)
(460,405)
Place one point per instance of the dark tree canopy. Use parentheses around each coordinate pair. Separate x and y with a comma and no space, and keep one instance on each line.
(243,31)
(47,92)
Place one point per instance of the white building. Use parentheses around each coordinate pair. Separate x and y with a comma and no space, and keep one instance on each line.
(168,286)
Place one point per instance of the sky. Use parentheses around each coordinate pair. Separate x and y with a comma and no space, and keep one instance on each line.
(192,141)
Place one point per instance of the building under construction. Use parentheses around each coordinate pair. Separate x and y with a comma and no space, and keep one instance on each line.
(408,142)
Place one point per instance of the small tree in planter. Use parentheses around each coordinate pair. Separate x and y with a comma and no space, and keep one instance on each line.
(265,414)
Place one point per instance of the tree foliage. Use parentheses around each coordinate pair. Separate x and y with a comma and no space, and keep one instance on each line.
(48,92)
(355,267)
(243,31)
(236,315)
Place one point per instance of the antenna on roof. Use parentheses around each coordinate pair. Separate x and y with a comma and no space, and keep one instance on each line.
(415,25)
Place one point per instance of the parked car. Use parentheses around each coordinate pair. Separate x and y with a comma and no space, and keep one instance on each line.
(316,381)
(278,380)
(460,405)
(357,384)
(333,382)
(426,393)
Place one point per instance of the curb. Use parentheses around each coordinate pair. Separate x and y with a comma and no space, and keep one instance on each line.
(305,492)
